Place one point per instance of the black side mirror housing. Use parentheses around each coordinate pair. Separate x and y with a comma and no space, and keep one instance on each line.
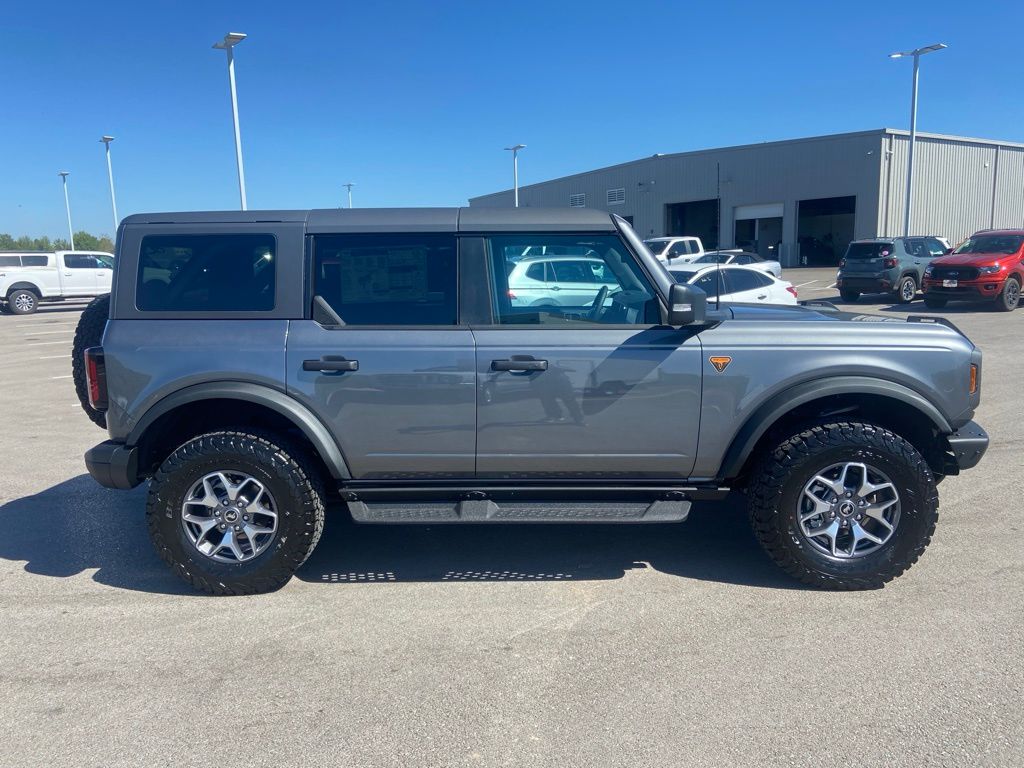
(687,305)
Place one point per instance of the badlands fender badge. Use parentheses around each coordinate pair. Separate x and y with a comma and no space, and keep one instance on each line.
(720,363)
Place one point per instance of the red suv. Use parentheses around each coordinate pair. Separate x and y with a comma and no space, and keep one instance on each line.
(985,267)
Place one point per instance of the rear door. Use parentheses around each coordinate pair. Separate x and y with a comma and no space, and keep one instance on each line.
(597,390)
(746,285)
(867,258)
(382,359)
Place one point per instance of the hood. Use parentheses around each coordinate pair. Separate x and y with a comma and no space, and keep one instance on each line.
(970,259)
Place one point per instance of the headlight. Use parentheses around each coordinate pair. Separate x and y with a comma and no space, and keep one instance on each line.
(990,270)
(928,271)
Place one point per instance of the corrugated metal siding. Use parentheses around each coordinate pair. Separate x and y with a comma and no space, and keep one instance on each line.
(779,172)
(1008,209)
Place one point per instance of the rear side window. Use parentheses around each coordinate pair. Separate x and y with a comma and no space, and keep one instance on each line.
(737,280)
(206,273)
(34,261)
(81,261)
(388,279)
(10,261)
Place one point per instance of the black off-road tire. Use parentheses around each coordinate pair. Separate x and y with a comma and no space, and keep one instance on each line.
(287,472)
(850,296)
(30,308)
(779,480)
(89,333)
(1008,298)
(906,290)
(933,302)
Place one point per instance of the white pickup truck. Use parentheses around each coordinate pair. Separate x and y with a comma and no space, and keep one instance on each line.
(26,279)
(676,250)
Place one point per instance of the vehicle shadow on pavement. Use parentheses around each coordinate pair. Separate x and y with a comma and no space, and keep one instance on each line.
(714,544)
(78,526)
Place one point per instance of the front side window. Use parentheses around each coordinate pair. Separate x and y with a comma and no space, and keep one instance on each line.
(206,273)
(603,284)
(389,279)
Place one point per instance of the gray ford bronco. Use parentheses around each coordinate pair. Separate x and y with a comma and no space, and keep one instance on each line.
(253,366)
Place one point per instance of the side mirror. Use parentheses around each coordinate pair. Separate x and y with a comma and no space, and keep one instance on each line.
(687,305)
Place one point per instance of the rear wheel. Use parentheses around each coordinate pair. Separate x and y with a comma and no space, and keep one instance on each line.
(844,506)
(906,290)
(22,302)
(1009,297)
(235,513)
(89,333)
(849,295)
(934,302)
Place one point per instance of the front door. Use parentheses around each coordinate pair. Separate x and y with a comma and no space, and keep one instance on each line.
(594,390)
(79,275)
(383,362)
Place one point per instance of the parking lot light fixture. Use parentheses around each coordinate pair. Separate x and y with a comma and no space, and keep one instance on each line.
(231,39)
(110,176)
(515,170)
(67,206)
(917,53)
(348,185)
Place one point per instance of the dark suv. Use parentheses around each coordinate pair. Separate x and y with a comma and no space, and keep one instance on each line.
(887,265)
(253,365)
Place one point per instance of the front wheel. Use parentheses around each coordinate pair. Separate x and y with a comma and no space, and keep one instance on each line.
(235,513)
(906,290)
(1009,297)
(844,506)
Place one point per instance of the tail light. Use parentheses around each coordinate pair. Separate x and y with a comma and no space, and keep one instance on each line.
(792,290)
(511,295)
(842,263)
(890,263)
(96,378)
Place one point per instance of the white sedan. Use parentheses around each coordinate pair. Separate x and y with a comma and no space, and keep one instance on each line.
(741,259)
(741,285)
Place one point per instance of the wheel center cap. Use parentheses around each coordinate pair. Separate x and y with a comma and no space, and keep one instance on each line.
(231,515)
(847,508)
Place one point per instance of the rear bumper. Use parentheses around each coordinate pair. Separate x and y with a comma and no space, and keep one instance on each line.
(865,283)
(968,444)
(113,465)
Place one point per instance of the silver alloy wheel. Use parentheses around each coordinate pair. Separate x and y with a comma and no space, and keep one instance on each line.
(848,510)
(229,516)
(1012,293)
(909,289)
(24,302)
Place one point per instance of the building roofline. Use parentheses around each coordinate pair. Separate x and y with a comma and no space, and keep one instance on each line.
(737,147)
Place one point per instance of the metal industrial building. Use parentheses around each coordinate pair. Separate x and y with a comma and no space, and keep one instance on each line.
(805,199)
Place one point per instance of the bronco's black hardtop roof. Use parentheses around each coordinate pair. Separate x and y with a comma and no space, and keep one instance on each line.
(326,220)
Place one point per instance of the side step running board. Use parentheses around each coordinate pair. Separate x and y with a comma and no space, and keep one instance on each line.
(488,511)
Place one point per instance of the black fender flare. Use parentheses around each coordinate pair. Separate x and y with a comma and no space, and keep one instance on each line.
(311,426)
(24,286)
(777,406)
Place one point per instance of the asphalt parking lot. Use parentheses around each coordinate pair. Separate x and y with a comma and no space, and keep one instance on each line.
(520,646)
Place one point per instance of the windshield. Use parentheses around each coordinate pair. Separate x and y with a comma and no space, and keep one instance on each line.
(991,244)
(656,246)
(682,275)
(868,250)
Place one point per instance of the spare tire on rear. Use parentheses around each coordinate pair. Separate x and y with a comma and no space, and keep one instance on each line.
(89,333)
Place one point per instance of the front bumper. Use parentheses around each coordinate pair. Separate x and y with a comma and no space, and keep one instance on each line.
(968,444)
(113,465)
(975,290)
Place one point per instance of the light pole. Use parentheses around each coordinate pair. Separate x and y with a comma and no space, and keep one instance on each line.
(231,39)
(349,186)
(515,169)
(110,175)
(917,53)
(67,206)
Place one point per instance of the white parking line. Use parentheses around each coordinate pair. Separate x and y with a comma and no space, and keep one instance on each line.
(55,357)
(69,376)
(44,343)
(832,286)
(810,282)
(45,333)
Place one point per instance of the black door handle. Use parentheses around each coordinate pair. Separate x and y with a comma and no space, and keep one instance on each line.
(519,365)
(327,365)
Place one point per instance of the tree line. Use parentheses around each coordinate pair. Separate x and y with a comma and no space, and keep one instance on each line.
(83,242)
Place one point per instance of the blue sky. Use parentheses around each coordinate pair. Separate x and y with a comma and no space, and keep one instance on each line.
(413,101)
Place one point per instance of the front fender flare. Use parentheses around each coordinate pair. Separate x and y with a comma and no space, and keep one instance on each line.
(275,400)
(779,405)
